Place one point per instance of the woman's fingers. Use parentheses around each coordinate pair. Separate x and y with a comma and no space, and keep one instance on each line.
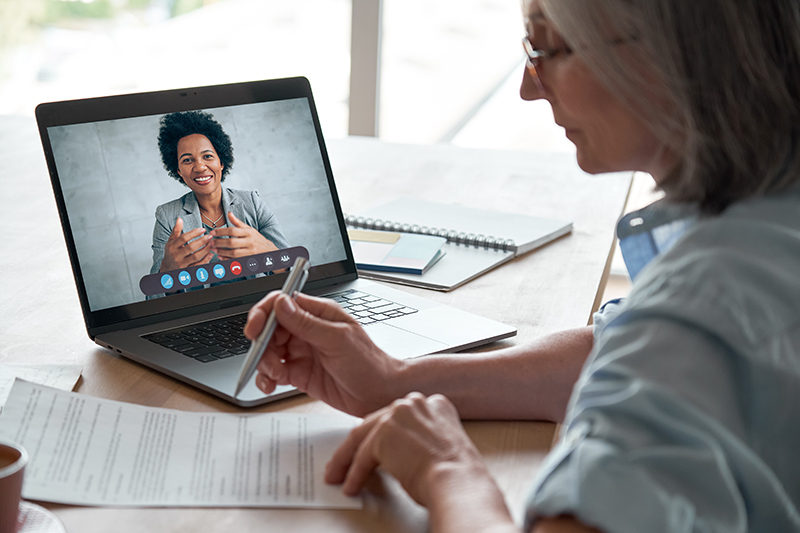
(195,253)
(257,316)
(179,252)
(176,229)
(235,236)
(203,260)
(183,239)
(312,319)
(364,463)
(188,243)
(406,439)
(273,366)
(235,221)
(321,325)
(324,308)
(271,363)
(321,350)
(240,239)
(338,467)
(266,385)
(441,406)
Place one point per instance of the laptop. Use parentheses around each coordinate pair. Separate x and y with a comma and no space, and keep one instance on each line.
(119,195)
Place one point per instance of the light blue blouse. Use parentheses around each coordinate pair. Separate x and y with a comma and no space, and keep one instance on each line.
(686,416)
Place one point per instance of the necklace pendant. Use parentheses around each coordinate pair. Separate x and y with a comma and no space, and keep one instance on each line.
(213,223)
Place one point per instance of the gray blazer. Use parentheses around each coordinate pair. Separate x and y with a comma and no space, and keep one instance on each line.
(247,206)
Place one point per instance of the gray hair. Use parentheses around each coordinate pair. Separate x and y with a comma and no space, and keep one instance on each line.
(718,81)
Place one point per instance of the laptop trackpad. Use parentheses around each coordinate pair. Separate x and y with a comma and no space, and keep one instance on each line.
(400,343)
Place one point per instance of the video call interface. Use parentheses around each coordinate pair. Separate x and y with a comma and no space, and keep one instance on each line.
(166,204)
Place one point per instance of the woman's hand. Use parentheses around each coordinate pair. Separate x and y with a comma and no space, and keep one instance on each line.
(320,349)
(180,253)
(421,443)
(418,440)
(239,241)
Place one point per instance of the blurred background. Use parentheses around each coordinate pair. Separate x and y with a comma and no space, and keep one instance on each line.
(443,63)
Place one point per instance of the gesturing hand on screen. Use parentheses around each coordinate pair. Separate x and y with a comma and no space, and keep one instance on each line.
(187,249)
(239,240)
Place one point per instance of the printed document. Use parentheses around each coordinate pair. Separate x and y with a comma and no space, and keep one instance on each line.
(62,377)
(90,451)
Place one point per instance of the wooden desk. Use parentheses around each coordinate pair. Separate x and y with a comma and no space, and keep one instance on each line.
(548,290)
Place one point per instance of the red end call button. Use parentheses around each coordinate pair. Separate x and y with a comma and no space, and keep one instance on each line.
(236,268)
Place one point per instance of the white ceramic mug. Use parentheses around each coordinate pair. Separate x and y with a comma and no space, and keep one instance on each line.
(13,459)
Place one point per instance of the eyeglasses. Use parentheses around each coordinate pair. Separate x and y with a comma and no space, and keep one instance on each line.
(535,57)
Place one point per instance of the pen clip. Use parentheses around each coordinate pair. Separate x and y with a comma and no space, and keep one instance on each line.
(302,280)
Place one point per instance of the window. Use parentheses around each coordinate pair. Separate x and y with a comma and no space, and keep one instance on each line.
(444,63)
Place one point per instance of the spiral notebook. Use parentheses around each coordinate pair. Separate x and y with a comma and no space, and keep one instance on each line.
(478,240)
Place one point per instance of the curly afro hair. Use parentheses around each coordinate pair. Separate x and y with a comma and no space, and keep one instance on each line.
(176,126)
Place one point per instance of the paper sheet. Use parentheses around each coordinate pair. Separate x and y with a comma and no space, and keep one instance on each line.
(90,451)
(62,377)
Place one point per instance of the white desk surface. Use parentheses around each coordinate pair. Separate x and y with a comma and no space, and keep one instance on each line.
(547,290)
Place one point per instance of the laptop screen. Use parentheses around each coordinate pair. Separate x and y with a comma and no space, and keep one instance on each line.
(161,208)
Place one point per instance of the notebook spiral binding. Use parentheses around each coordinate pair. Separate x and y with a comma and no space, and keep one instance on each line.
(469,239)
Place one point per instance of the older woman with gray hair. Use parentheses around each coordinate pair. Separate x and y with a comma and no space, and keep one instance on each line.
(680,406)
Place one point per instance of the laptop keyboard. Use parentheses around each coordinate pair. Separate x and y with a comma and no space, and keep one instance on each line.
(206,341)
(222,338)
(367,308)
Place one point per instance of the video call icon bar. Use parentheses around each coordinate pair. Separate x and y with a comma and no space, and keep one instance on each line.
(211,273)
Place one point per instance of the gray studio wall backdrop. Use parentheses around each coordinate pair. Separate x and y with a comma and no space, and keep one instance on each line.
(113,180)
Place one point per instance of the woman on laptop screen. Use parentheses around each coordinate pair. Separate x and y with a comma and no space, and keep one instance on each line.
(210,222)
(680,405)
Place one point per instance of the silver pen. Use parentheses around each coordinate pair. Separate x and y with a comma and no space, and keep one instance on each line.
(294,283)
